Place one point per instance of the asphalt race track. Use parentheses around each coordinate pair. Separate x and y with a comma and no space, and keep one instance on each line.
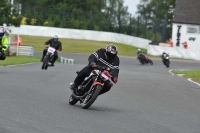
(146,99)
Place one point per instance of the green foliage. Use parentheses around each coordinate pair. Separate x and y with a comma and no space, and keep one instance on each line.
(101,15)
(195,74)
(13,60)
(9,16)
(155,11)
(78,46)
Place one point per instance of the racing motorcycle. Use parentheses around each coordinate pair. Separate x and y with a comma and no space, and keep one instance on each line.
(48,58)
(1,51)
(144,59)
(166,61)
(88,91)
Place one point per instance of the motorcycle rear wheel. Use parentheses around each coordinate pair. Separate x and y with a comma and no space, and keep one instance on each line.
(90,98)
(150,61)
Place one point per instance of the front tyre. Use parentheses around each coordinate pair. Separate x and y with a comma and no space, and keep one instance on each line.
(45,62)
(72,100)
(167,63)
(141,61)
(90,98)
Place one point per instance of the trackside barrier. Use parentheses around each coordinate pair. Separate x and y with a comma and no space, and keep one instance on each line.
(176,52)
(67,61)
(22,50)
(80,34)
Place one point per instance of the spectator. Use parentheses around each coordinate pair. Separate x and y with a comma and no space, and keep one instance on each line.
(17,41)
(171,43)
(185,45)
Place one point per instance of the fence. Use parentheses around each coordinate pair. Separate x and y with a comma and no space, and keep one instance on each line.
(22,50)
(66,60)
(176,52)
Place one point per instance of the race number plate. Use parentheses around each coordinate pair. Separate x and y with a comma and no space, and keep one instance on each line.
(51,50)
(103,75)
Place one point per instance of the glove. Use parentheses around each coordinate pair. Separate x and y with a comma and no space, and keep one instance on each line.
(94,65)
(115,79)
(3,46)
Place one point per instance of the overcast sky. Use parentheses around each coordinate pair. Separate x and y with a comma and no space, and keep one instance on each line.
(132,5)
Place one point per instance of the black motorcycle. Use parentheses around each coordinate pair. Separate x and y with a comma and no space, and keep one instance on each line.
(91,87)
(1,50)
(143,59)
(48,58)
(166,61)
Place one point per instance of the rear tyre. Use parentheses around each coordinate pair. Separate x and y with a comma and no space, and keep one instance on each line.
(72,100)
(90,98)
(150,61)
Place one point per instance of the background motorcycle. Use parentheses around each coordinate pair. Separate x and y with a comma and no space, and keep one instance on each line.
(48,58)
(144,59)
(166,61)
(1,51)
(91,87)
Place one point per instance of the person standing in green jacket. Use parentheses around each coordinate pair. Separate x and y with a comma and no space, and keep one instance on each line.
(3,44)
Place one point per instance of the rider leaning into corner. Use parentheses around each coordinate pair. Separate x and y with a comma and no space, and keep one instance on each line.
(164,54)
(3,44)
(55,44)
(140,52)
(102,57)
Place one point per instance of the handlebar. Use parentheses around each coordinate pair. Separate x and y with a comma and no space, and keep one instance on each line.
(103,68)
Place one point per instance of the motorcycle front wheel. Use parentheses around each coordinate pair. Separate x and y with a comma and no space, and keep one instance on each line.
(72,100)
(45,62)
(90,98)
(141,61)
(167,63)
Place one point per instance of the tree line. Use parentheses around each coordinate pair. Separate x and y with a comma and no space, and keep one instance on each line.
(152,21)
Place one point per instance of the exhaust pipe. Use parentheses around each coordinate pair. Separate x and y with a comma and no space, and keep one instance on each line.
(79,97)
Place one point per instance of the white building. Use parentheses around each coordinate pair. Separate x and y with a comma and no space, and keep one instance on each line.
(186,23)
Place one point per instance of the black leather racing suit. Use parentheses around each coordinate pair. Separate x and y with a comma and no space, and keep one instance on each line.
(99,58)
(57,45)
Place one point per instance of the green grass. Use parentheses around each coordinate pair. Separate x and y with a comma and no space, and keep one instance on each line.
(190,74)
(78,46)
(19,60)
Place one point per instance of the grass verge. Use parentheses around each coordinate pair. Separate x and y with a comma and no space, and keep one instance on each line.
(195,74)
(78,46)
(13,60)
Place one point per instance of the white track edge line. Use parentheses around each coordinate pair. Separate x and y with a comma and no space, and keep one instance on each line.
(20,64)
(189,79)
(170,71)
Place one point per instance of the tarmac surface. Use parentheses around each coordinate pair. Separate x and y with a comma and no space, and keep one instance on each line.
(146,99)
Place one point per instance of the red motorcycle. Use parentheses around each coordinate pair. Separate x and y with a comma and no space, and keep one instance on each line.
(91,87)
(143,59)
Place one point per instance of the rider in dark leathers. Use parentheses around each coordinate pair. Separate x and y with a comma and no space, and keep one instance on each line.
(55,44)
(102,57)
(164,54)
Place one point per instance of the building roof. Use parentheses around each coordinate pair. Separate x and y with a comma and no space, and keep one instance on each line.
(187,12)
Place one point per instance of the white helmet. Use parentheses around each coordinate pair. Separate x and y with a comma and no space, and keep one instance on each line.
(55,36)
(139,49)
